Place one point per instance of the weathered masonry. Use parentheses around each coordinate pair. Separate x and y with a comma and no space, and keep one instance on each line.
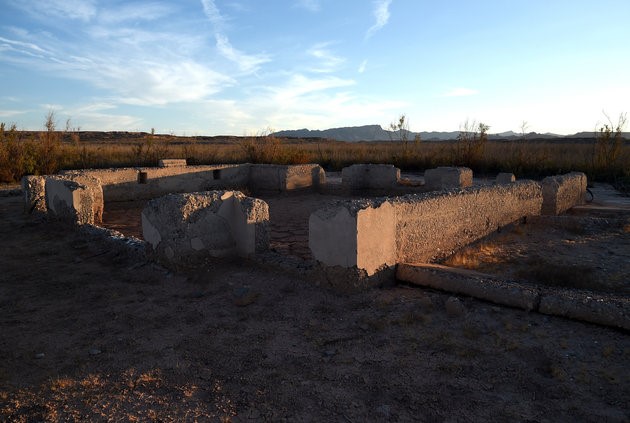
(375,234)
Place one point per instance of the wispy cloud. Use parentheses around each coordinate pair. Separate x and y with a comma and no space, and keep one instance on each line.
(20,46)
(362,66)
(247,63)
(132,74)
(83,10)
(10,113)
(327,60)
(301,85)
(460,92)
(310,5)
(135,12)
(212,13)
(381,14)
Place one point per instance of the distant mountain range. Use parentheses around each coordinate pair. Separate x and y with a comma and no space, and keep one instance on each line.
(377,133)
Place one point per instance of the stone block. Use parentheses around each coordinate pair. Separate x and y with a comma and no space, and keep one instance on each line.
(34,191)
(271,177)
(188,227)
(505,178)
(171,162)
(73,201)
(562,192)
(370,176)
(359,233)
(448,177)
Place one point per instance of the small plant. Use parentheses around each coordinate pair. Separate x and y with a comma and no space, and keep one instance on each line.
(49,146)
(399,131)
(608,142)
(471,142)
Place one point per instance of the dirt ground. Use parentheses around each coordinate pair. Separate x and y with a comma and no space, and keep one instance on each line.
(90,334)
(587,248)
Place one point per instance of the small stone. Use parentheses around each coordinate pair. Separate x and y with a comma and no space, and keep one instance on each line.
(40,355)
(454,307)
(95,351)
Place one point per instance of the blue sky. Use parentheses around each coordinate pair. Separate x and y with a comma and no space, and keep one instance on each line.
(211,67)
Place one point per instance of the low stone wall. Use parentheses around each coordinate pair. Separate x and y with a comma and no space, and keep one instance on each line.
(270,177)
(370,176)
(183,228)
(562,192)
(375,234)
(145,183)
(448,177)
(125,184)
(76,201)
(171,162)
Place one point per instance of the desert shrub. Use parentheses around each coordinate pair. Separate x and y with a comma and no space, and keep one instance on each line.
(49,147)
(471,142)
(608,147)
(261,148)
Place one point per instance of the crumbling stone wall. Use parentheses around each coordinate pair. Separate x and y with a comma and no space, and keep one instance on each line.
(562,192)
(271,177)
(448,177)
(78,201)
(370,176)
(34,191)
(183,228)
(375,234)
(125,184)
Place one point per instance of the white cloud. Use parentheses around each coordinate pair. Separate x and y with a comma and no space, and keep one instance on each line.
(362,66)
(460,92)
(300,85)
(83,10)
(10,113)
(247,63)
(135,12)
(328,62)
(26,48)
(156,83)
(212,13)
(381,14)
(310,5)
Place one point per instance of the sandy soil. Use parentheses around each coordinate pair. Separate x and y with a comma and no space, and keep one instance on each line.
(88,334)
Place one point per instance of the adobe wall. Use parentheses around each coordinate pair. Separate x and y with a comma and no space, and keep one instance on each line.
(370,176)
(182,228)
(372,235)
(562,192)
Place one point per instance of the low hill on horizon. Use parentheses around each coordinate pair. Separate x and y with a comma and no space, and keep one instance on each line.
(377,133)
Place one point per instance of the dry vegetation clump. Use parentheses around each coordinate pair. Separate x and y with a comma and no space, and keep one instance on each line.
(603,158)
